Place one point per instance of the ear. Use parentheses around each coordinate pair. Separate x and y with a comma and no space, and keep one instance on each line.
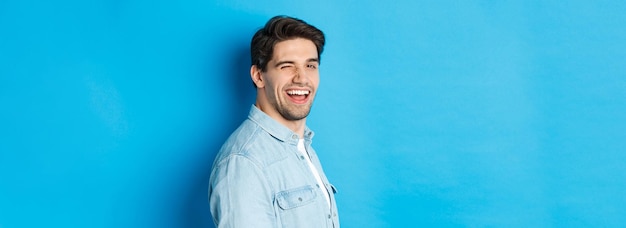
(257,79)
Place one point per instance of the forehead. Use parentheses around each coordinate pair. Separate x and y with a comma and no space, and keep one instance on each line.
(295,49)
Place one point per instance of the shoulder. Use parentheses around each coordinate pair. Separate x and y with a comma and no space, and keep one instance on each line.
(251,142)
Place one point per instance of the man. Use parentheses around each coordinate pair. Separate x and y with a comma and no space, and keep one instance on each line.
(267,174)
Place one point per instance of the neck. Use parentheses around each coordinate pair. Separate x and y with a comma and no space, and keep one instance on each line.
(297,126)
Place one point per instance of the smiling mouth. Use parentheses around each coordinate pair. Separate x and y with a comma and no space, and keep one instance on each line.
(298,96)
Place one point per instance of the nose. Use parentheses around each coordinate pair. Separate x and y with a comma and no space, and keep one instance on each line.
(300,76)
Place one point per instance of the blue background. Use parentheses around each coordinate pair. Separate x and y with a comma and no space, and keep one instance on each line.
(430,113)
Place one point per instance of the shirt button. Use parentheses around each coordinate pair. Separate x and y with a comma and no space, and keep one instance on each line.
(294,136)
(328,216)
(301,157)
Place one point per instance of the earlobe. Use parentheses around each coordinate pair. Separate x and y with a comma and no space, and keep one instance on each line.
(257,79)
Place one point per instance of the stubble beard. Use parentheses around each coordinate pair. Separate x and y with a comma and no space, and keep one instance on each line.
(293,112)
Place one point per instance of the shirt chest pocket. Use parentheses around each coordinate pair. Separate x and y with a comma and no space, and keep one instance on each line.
(296,197)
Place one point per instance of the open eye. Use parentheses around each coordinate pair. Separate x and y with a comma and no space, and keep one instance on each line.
(311,66)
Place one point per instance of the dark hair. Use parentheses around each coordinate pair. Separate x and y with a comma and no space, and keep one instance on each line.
(281,28)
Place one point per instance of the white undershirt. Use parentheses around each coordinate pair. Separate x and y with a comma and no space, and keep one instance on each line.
(314,170)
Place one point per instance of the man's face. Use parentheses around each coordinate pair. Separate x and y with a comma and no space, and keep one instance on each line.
(291,79)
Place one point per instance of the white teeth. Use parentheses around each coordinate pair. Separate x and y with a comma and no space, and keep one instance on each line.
(298,92)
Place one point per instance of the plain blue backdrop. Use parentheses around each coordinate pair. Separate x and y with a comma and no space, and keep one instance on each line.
(430,113)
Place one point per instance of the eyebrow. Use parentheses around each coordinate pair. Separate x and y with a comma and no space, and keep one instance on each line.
(292,62)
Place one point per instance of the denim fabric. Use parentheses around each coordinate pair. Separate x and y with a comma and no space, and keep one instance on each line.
(260,179)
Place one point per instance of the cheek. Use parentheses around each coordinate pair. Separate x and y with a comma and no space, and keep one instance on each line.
(315,80)
(270,83)
(274,88)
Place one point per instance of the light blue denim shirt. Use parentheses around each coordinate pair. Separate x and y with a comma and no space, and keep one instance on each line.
(260,179)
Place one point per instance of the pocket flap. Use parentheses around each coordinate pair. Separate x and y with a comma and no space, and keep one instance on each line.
(296,197)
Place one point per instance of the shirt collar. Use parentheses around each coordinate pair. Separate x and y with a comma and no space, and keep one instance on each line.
(276,129)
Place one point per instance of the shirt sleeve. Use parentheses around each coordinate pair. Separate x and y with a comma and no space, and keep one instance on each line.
(239,195)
